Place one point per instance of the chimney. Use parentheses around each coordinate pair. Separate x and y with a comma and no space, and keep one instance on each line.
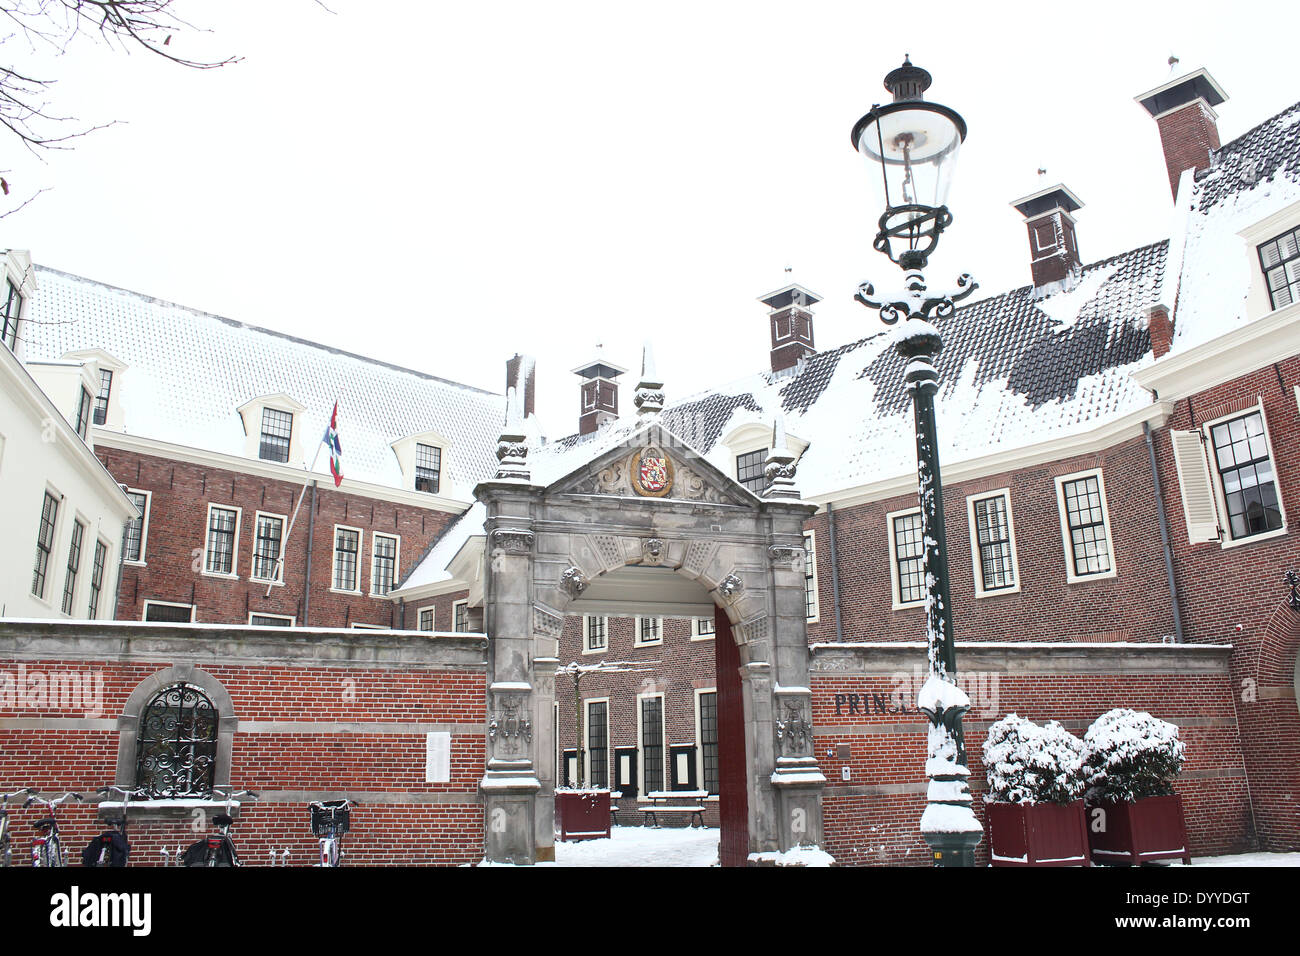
(1053,249)
(599,393)
(1184,113)
(791,319)
(1161,328)
(520,375)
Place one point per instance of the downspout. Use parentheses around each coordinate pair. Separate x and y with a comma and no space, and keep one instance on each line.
(835,575)
(1164,535)
(311,537)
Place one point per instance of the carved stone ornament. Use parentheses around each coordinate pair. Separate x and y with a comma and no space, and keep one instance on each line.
(573,581)
(731,585)
(652,550)
(794,735)
(546,622)
(781,554)
(509,728)
(512,540)
(651,472)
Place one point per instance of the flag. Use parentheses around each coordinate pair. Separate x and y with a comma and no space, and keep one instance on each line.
(331,441)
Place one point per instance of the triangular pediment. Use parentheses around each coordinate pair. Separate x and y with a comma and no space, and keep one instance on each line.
(652,462)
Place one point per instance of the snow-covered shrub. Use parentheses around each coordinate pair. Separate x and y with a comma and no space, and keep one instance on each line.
(1130,755)
(1025,763)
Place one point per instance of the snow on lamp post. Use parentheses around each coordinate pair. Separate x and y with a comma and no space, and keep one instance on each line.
(910,146)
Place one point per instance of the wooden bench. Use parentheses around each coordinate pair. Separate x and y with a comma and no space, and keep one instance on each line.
(659,805)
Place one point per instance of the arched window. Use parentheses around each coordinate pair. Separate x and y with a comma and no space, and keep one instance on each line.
(176,747)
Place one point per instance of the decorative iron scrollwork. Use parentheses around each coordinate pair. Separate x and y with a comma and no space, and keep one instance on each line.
(177,744)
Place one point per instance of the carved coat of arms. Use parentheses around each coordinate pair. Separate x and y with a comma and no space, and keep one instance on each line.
(651,471)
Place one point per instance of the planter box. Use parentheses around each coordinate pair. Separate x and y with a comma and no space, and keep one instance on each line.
(1038,834)
(1133,833)
(582,814)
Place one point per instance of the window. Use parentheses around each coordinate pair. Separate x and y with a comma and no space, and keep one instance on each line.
(83,413)
(460,616)
(165,612)
(598,743)
(428,468)
(101,401)
(649,630)
(13,312)
(270,620)
(1280,259)
(749,470)
(1085,526)
(137,528)
(383,563)
(702,629)
(652,743)
(426,619)
(907,568)
(1247,482)
(810,576)
(993,543)
(176,750)
(595,633)
(45,542)
(223,531)
(347,544)
(707,733)
(74,564)
(267,545)
(277,428)
(97,578)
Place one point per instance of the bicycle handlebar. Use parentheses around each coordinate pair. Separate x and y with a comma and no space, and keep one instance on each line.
(127,794)
(230,794)
(34,798)
(29,791)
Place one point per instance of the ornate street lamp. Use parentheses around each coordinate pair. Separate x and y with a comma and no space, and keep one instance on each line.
(911,146)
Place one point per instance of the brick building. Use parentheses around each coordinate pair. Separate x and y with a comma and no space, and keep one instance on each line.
(1120,443)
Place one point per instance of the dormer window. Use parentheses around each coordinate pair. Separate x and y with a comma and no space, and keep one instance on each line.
(12,313)
(1280,259)
(749,470)
(428,468)
(277,429)
(101,401)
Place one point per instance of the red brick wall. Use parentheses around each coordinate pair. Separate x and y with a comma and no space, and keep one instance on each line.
(1187,135)
(178,510)
(1132,606)
(874,817)
(395,822)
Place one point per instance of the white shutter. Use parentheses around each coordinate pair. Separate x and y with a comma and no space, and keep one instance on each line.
(1198,492)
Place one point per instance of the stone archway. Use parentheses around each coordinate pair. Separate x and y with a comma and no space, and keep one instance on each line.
(549,547)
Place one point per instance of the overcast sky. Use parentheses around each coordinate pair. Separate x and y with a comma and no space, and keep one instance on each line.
(440,185)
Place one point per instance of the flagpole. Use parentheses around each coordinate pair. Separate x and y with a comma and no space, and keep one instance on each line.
(277,576)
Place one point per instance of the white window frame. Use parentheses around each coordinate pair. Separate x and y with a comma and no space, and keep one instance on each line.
(586,648)
(252,558)
(1226,540)
(699,739)
(810,545)
(334,557)
(640,740)
(894,591)
(291,618)
(397,561)
(79,578)
(695,630)
(1067,545)
(144,610)
(370,627)
(144,529)
(636,637)
(433,617)
(103,582)
(977,565)
(586,739)
(233,574)
(454,606)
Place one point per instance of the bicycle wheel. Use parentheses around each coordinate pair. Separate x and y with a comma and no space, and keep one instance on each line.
(334,852)
(54,852)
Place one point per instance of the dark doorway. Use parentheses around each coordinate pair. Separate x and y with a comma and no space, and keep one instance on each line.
(733,796)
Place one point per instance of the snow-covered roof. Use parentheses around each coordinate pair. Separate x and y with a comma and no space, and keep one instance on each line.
(188,372)
(1249,179)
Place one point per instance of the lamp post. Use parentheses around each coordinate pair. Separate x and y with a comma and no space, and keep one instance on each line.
(911,145)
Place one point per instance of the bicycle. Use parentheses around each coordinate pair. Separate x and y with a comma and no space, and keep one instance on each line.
(6,856)
(330,820)
(217,849)
(111,848)
(46,848)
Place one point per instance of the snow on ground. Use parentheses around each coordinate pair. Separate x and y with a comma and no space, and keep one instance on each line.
(1249,859)
(644,846)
